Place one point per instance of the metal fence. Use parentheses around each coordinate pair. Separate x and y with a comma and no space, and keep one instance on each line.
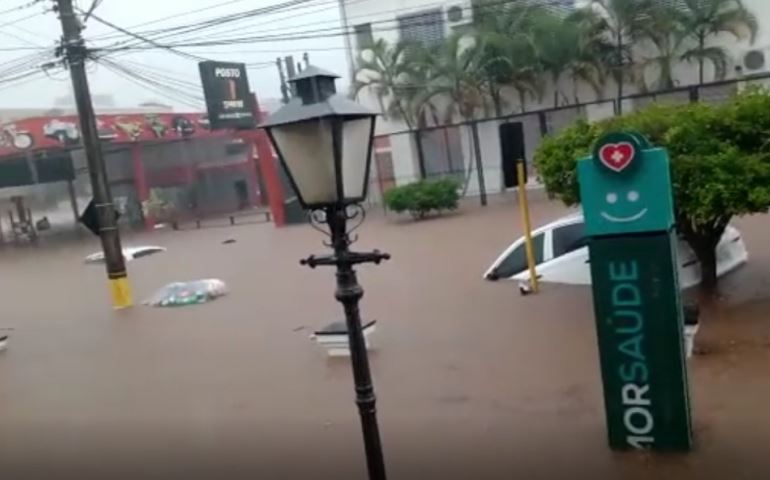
(450,150)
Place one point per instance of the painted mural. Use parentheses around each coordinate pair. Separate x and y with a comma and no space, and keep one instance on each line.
(42,133)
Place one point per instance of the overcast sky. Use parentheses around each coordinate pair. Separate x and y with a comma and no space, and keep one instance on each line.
(44,30)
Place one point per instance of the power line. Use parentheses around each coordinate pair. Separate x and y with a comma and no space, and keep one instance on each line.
(327,5)
(304,8)
(21,39)
(12,22)
(20,47)
(178,15)
(144,39)
(210,23)
(32,3)
(150,84)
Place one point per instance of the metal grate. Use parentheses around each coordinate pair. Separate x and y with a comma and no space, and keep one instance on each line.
(425,27)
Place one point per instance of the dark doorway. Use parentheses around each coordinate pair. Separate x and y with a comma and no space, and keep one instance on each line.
(512,149)
(242,194)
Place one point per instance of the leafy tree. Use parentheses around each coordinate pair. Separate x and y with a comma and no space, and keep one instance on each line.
(702,19)
(720,164)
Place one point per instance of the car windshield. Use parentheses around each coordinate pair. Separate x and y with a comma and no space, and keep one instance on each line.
(516,261)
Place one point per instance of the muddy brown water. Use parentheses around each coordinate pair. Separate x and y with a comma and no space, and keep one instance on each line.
(473,380)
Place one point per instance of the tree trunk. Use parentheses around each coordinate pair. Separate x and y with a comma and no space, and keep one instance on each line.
(703,239)
(619,74)
(496,100)
(420,154)
(707,257)
(479,164)
(701,63)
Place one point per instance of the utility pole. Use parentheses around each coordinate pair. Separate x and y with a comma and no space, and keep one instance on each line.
(75,54)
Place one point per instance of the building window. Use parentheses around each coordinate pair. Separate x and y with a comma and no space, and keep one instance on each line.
(364,37)
(426,28)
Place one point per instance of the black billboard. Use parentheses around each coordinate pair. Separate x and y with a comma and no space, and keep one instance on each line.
(228,97)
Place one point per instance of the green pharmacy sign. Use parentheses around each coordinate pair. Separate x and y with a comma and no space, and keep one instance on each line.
(625,189)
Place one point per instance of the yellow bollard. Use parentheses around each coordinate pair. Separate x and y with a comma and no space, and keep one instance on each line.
(524,205)
(120,288)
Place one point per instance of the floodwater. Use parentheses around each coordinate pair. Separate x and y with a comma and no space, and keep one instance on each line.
(473,380)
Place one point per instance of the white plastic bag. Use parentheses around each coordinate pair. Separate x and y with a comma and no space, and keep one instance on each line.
(179,294)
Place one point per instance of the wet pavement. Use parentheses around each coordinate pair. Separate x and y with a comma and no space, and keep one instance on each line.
(473,380)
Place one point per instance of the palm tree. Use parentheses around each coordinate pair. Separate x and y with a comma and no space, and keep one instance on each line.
(667,35)
(702,19)
(504,29)
(564,45)
(456,73)
(395,76)
(625,21)
(390,73)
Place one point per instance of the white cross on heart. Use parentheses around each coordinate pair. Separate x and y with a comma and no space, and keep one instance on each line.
(617,156)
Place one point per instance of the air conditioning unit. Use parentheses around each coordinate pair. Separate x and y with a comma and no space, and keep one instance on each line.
(458,14)
(754,61)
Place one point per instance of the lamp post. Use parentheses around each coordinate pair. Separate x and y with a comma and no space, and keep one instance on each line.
(325,142)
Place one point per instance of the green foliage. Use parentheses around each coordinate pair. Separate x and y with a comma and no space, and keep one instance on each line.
(423,197)
(720,160)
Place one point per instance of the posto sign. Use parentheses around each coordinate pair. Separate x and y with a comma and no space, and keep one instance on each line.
(228,97)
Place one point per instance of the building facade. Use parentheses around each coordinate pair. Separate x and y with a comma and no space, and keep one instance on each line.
(451,150)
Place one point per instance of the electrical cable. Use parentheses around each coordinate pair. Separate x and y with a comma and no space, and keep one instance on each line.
(19,19)
(29,4)
(148,83)
(151,42)
(183,14)
(228,19)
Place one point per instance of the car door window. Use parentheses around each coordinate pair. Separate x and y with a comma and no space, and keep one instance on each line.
(516,261)
(568,238)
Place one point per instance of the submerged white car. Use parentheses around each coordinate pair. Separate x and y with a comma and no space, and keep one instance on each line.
(561,255)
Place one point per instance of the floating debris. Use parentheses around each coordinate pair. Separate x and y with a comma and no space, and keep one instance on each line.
(334,338)
(3,342)
(229,241)
(129,253)
(180,294)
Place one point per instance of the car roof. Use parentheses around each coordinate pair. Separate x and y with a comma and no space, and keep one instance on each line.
(565,220)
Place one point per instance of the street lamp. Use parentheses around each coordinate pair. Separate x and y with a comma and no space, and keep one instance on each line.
(324,141)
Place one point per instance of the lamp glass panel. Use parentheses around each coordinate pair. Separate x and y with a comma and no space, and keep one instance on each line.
(356,137)
(306,149)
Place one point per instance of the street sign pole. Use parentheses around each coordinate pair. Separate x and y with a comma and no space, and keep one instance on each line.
(627,202)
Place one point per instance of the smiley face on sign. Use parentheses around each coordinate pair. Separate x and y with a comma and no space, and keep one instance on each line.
(625,186)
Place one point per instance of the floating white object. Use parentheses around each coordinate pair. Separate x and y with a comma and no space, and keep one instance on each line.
(129,253)
(334,338)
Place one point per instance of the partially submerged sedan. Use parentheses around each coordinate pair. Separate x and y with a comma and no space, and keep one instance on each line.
(561,255)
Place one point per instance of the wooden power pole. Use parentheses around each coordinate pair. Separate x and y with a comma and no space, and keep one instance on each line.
(75,54)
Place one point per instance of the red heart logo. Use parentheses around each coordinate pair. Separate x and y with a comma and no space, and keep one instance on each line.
(617,156)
